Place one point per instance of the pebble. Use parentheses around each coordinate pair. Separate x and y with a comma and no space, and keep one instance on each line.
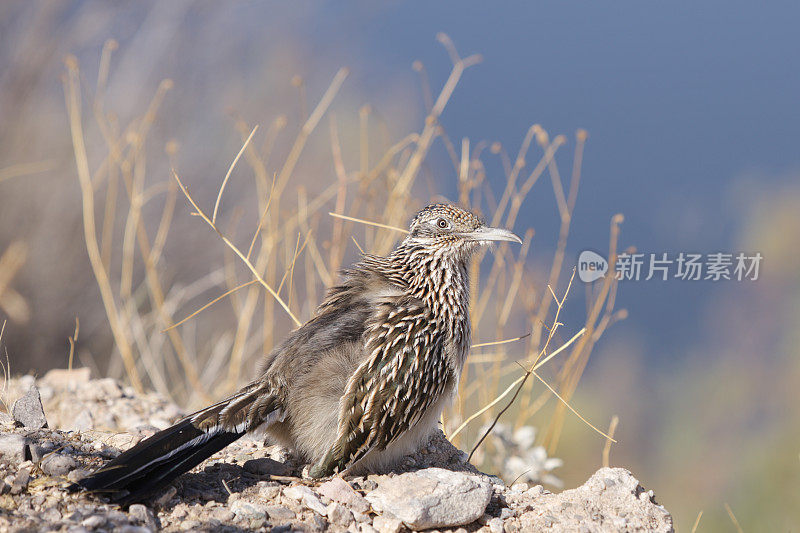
(280,513)
(143,515)
(266,466)
(386,524)
(506,513)
(20,483)
(93,521)
(166,496)
(340,491)
(535,491)
(269,492)
(495,525)
(40,450)
(248,511)
(57,464)
(28,410)
(222,514)
(319,523)
(307,496)
(13,447)
(339,514)
(51,514)
(78,474)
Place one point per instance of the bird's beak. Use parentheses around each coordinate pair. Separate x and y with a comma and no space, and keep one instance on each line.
(486,234)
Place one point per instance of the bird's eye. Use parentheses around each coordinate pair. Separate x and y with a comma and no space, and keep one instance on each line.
(442,223)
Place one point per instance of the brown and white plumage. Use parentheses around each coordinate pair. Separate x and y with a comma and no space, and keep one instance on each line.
(359,385)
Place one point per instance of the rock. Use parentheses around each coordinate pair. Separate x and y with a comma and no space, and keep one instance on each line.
(56,464)
(268,492)
(265,466)
(61,378)
(433,497)
(40,450)
(51,514)
(143,515)
(340,491)
(280,513)
(28,411)
(609,501)
(339,514)
(495,525)
(83,422)
(318,523)
(386,524)
(93,521)
(248,511)
(166,496)
(307,496)
(21,480)
(222,514)
(78,474)
(13,447)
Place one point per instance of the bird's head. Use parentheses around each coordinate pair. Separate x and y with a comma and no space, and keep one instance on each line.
(449,229)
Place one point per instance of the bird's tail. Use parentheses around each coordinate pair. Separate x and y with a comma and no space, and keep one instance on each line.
(156,461)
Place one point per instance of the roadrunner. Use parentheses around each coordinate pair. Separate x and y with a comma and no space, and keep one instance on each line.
(356,388)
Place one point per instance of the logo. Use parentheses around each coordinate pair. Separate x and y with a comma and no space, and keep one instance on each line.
(591,266)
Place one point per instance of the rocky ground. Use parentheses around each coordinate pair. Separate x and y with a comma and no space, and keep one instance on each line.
(64,424)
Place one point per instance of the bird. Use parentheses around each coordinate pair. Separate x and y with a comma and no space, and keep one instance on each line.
(356,388)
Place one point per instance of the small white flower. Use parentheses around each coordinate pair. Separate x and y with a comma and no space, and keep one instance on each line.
(522,460)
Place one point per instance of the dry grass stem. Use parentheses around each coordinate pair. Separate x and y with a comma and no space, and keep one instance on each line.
(228,174)
(733,518)
(235,250)
(368,223)
(697,521)
(612,427)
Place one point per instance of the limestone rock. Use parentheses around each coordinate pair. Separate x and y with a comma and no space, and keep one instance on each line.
(340,491)
(13,447)
(28,410)
(611,500)
(433,497)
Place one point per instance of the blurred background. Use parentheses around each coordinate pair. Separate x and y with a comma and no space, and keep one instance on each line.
(692,117)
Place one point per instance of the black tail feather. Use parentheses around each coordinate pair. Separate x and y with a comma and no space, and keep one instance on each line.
(153,463)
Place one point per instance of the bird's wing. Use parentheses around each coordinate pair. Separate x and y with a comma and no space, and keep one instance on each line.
(405,373)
